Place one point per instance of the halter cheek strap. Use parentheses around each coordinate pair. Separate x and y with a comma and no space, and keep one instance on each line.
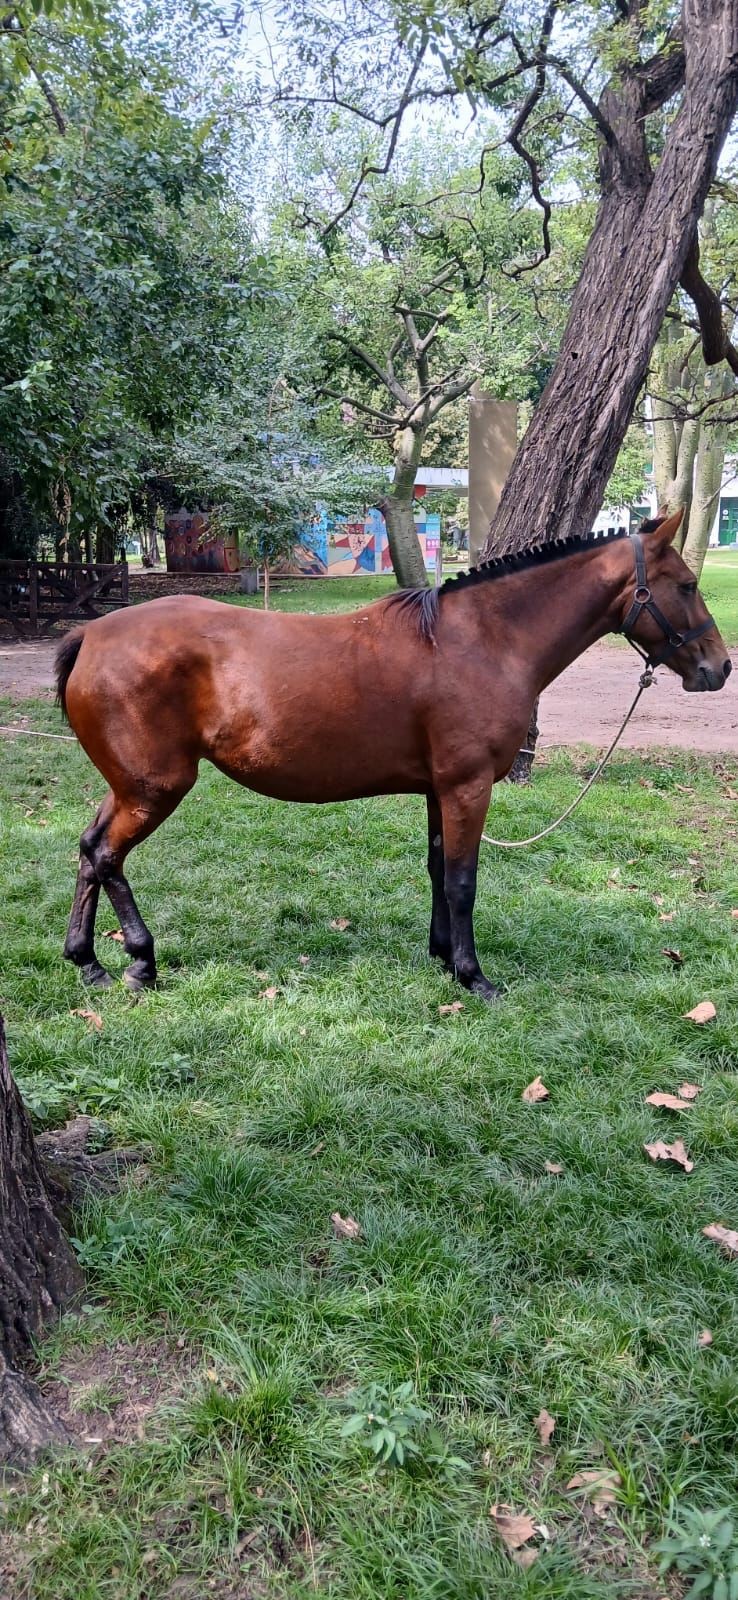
(643,601)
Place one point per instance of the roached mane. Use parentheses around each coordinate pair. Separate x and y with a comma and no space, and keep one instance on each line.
(423,604)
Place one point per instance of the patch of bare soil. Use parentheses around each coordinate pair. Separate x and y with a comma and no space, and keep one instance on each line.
(588,702)
(110,1394)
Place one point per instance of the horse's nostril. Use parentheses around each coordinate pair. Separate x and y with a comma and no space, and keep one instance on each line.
(727,668)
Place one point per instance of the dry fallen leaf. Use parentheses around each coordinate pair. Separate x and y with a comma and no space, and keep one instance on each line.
(270,993)
(599,1485)
(658,900)
(345,1227)
(727,1238)
(535,1091)
(658,1151)
(545,1424)
(114,933)
(449,1010)
(704,1339)
(689,1091)
(554,1167)
(704,1012)
(673,955)
(734,912)
(304,961)
(93,1017)
(514,1527)
(340,924)
(670,1101)
(731,794)
(667,916)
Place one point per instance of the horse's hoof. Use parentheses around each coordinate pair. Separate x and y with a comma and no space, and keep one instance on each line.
(138,981)
(96,976)
(484,990)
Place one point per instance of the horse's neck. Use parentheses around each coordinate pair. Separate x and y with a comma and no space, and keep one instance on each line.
(552,613)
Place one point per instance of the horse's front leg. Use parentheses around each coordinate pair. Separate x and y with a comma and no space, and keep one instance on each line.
(439,943)
(463,812)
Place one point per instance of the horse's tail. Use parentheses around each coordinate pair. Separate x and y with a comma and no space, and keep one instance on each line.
(66,657)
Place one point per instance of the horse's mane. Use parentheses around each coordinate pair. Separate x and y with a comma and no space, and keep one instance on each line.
(423,604)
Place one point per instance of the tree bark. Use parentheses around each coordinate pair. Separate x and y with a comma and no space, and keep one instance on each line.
(105,543)
(708,475)
(397,510)
(38,1273)
(645,226)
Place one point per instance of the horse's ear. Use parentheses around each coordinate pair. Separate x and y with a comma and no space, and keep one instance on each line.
(663,529)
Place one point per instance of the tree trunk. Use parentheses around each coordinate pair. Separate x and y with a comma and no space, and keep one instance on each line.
(708,474)
(634,260)
(38,1273)
(105,543)
(397,510)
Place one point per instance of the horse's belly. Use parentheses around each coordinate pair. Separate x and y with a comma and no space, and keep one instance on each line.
(323,768)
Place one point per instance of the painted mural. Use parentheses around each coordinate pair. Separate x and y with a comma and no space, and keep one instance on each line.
(356,547)
(192,547)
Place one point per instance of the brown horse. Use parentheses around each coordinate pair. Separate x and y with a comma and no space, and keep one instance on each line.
(426,691)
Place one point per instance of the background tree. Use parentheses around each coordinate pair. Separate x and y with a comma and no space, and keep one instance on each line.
(652,91)
(691,405)
(409,307)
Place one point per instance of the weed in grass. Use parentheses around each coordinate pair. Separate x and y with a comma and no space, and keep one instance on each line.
(702,1545)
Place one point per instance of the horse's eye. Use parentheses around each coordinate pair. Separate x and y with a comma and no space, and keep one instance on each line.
(688,588)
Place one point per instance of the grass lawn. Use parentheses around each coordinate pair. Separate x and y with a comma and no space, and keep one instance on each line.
(491,1286)
(719,585)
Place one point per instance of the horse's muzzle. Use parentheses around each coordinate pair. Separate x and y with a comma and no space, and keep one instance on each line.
(708,678)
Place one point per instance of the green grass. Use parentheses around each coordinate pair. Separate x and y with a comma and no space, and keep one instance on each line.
(719,585)
(494,1288)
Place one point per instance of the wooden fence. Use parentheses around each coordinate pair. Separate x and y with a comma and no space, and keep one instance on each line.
(34,595)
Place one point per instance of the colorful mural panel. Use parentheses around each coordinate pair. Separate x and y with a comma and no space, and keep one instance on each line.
(192,547)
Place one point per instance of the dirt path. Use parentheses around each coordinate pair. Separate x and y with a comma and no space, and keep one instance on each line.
(584,706)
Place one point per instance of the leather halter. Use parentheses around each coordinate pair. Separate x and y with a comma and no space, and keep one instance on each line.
(644,601)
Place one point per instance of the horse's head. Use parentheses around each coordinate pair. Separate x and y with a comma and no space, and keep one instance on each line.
(664,613)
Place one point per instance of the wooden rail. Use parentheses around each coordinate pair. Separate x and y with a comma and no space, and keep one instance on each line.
(34,595)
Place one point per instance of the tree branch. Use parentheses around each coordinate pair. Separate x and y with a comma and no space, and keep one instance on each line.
(716,346)
(387,378)
(664,73)
(515,142)
(350,400)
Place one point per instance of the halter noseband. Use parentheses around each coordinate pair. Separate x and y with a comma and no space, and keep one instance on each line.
(644,601)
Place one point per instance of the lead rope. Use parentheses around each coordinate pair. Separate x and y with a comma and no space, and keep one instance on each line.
(644,682)
(35,733)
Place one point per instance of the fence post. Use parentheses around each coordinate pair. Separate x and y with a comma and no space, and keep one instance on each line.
(33,596)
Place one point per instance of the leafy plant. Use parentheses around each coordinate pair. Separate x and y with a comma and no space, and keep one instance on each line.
(116,1238)
(701,1544)
(398,1430)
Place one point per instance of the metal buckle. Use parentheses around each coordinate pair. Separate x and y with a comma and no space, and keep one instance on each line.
(642,594)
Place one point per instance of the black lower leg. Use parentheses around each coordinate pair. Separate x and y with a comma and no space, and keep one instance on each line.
(439,943)
(136,936)
(461,889)
(79,944)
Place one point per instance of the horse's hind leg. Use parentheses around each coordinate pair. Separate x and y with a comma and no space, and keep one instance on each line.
(439,943)
(79,945)
(128,824)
